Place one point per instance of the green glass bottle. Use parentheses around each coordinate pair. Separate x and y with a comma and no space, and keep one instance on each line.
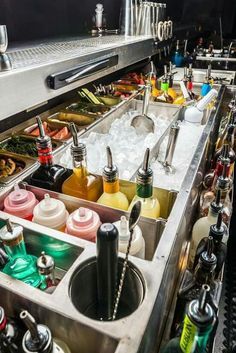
(198,323)
(20,265)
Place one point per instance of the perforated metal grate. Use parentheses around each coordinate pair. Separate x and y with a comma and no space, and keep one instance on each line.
(55,51)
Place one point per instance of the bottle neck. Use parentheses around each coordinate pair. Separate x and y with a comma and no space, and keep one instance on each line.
(144,191)
(45,156)
(111,187)
(15,248)
(204,275)
(212,216)
(81,166)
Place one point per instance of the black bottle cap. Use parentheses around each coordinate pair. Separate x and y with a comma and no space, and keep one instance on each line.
(217,230)
(199,311)
(207,258)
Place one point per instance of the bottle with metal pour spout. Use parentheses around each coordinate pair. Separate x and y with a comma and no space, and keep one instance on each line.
(81,183)
(48,176)
(144,190)
(112,196)
(39,338)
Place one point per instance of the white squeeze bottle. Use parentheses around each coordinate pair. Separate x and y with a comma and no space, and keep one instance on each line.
(202,227)
(194,114)
(138,244)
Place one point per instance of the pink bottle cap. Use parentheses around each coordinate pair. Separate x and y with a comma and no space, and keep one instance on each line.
(20,203)
(83,223)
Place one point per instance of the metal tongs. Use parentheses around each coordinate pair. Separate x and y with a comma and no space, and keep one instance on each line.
(143,123)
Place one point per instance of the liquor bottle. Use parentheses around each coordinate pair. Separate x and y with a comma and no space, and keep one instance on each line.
(9,334)
(171,91)
(198,323)
(112,196)
(228,141)
(207,85)
(217,232)
(39,338)
(164,96)
(224,184)
(202,227)
(190,81)
(144,190)
(81,183)
(48,176)
(21,265)
(178,57)
(192,284)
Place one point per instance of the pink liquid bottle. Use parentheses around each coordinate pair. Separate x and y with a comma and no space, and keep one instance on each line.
(83,223)
(20,203)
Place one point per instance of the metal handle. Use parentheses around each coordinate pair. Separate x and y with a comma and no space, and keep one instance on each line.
(170,29)
(84,71)
(174,133)
(146,97)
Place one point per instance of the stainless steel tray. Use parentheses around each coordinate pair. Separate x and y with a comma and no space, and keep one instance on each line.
(29,164)
(199,75)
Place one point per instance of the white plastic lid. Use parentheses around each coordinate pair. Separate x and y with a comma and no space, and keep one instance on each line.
(50,212)
(83,217)
(193,115)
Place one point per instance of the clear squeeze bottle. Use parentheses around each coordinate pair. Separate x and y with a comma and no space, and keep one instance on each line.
(112,196)
(144,190)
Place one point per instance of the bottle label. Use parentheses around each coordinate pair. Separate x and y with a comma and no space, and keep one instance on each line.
(192,340)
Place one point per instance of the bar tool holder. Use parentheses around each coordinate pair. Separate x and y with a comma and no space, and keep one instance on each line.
(5,63)
(172,141)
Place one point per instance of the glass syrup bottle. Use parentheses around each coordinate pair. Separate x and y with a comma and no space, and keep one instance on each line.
(217,232)
(202,226)
(112,196)
(199,321)
(144,190)
(39,338)
(228,141)
(48,176)
(81,183)
(192,284)
(21,265)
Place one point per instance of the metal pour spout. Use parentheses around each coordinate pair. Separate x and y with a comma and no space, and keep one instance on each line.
(31,325)
(202,302)
(73,131)
(109,158)
(40,126)
(146,160)
(9,226)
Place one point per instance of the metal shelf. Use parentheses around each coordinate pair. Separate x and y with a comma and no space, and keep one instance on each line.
(25,86)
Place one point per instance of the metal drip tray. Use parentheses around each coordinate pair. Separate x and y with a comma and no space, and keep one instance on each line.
(57,51)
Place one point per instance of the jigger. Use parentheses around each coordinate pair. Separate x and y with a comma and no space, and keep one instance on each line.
(5,63)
